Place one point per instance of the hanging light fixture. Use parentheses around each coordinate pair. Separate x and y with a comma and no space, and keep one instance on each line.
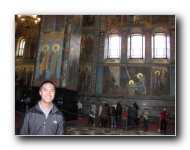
(28,20)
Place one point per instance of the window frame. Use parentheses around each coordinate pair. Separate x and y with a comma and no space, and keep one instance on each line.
(129,48)
(109,45)
(154,46)
(131,43)
(21,47)
(164,31)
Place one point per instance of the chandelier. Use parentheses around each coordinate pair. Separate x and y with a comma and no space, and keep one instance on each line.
(28,20)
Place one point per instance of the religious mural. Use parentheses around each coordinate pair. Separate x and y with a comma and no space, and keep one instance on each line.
(74,53)
(24,74)
(88,20)
(52,27)
(84,79)
(135,81)
(23,80)
(49,54)
(87,43)
(111,80)
(129,81)
(113,21)
(49,63)
(172,81)
(100,55)
(160,81)
(73,69)
(99,77)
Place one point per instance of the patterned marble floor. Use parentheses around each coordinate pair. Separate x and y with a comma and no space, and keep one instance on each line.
(90,130)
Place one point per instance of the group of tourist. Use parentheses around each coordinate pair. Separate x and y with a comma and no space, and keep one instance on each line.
(115,115)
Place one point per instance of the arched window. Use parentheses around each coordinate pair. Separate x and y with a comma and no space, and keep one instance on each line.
(114,46)
(160,45)
(136,46)
(21,47)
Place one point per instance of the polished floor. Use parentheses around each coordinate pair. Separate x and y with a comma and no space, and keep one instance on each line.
(80,127)
(91,130)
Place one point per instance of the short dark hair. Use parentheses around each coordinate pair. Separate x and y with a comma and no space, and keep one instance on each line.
(46,81)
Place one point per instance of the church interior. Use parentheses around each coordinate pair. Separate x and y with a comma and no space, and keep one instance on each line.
(98,59)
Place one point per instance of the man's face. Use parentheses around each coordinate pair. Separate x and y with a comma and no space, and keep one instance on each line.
(47,92)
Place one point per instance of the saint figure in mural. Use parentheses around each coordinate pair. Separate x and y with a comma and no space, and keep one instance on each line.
(82,43)
(88,45)
(115,72)
(107,85)
(161,80)
(43,62)
(157,81)
(53,61)
(86,77)
(131,87)
(141,83)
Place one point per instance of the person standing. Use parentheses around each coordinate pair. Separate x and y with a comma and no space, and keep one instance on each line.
(104,115)
(79,109)
(93,108)
(145,118)
(112,115)
(91,118)
(133,113)
(125,118)
(44,118)
(118,113)
(99,113)
(164,116)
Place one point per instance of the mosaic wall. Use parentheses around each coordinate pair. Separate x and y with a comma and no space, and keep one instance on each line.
(160,81)
(87,46)
(49,54)
(85,78)
(123,79)
(74,53)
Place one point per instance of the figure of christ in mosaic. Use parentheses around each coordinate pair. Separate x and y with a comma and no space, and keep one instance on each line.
(53,61)
(43,62)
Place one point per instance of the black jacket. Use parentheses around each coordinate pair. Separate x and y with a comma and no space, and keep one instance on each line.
(34,122)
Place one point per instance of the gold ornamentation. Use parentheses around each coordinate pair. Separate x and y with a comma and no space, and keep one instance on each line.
(131,82)
(45,47)
(139,75)
(157,72)
(56,47)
